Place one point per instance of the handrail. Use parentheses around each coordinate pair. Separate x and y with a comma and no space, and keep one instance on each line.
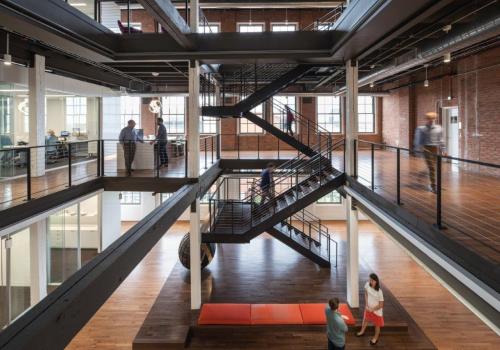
(326,18)
(477,162)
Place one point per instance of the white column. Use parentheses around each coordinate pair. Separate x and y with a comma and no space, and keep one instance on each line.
(194,166)
(38,261)
(352,254)
(351,134)
(110,218)
(37,115)
(351,123)
(195,254)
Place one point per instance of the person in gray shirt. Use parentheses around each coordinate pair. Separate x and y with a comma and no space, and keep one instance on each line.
(335,326)
(128,138)
(429,139)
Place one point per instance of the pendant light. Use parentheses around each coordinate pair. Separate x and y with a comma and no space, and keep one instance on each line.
(426,81)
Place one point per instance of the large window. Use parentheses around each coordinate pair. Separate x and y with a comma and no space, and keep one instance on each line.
(366,114)
(329,113)
(283,27)
(331,198)
(279,115)
(130,109)
(76,114)
(247,127)
(210,28)
(250,27)
(130,198)
(173,113)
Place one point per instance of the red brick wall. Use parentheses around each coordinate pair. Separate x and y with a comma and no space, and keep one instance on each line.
(147,22)
(473,88)
(147,118)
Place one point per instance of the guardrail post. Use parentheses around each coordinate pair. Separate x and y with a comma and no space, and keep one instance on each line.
(373,166)
(398,176)
(103,172)
(218,146)
(156,149)
(308,133)
(238,145)
(212,151)
(98,158)
(355,165)
(278,147)
(438,192)
(186,161)
(258,146)
(28,174)
(205,145)
(69,165)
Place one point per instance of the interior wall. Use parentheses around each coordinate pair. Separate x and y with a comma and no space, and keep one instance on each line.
(473,88)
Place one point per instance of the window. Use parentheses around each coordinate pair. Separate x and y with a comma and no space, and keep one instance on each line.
(283,27)
(331,198)
(173,113)
(366,114)
(165,196)
(76,114)
(250,27)
(208,125)
(329,113)
(130,198)
(324,26)
(130,108)
(247,127)
(210,28)
(279,115)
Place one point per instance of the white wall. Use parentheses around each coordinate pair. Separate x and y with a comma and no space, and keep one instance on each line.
(131,212)
(110,210)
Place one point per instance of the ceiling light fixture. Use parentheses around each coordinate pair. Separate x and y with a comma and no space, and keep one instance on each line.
(426,81)
(447,57)
(372,84)
(78,4)
(155,74)
(447,28)
(7,58)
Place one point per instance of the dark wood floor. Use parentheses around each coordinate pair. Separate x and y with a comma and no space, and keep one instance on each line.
(444,319)
(266,271)
(470,199)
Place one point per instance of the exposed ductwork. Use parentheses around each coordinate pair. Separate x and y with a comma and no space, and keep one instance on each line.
(486,26)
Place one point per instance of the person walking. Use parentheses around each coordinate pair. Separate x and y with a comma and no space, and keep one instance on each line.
(161,139)
(266,183)
(336,327)
(290,118)
(128,138)
(374,304)
(429,139)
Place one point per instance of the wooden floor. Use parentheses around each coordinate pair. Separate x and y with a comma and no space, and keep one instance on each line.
(470,200)
(447,323)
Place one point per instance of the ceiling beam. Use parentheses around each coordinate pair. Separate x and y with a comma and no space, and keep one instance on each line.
(169,18)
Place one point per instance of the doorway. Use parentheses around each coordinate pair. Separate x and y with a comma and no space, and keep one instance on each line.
(451,131)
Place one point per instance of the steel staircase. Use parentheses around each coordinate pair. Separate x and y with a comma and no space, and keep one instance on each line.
(298,183)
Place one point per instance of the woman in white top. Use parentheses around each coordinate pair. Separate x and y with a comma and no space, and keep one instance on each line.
(374,303)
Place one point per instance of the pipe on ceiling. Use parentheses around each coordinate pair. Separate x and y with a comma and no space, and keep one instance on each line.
(485,27)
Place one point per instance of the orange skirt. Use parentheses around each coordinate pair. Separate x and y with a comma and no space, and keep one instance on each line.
(373,318)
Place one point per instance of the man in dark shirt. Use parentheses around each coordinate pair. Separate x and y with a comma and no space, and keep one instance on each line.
(128,137)
(161,139)
(266,183)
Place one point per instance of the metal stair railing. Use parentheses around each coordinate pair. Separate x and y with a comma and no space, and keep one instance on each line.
(327,21)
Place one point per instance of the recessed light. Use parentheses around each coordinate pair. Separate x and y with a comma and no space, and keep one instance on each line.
(155,74)
(78,4)
(447,57)
(7,59)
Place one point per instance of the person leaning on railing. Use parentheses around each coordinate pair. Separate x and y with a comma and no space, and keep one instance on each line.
(128,137)
(429,139)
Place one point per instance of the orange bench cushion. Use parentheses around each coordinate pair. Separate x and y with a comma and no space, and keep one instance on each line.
(276,314)
(225,314)
(315,313)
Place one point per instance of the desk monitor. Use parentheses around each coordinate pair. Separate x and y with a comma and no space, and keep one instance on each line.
(140,134)
(64,133)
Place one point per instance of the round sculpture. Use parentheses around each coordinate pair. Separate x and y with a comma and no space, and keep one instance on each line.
(207,252)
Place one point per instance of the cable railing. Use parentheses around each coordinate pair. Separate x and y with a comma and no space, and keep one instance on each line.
(29,172)
(327,21)
(457,195)
(287,179)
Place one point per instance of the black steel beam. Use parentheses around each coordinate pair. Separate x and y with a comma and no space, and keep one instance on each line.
(59,25)
(37,206)
(165,13)
(53,322)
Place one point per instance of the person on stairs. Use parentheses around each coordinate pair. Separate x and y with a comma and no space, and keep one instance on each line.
(290,118)
(374,303)
(336,327)
(267,184)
